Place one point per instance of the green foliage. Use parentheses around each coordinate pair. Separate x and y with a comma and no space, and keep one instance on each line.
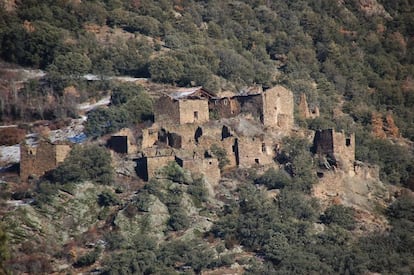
(340,215)
(198,192)
(402,208)
(4,249)
(166,69)
(178,218)
(395,161)
(87,259)
(221,154)
(85,163)
(173,172)
(130,105)
(274,179)
(107,198)
(72,64)
(298,162)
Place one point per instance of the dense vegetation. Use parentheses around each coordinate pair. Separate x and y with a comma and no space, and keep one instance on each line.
(350,63)
(359,60)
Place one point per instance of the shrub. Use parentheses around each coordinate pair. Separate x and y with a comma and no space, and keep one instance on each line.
(221,154)
(178,219)
(107,198)
(11,136)
(340,215)
(274,179)
(85,163)
(87,259)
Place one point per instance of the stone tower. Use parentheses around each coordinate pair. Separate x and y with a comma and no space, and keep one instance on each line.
(337,147)
(36,160)
(278,108)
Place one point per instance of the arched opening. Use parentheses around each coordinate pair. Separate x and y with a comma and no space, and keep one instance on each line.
(198,133)
(225,132)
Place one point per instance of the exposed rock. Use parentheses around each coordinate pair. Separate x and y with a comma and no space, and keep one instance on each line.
(153,222)
(391,129)
(361,190)
(373,8)
(377,125)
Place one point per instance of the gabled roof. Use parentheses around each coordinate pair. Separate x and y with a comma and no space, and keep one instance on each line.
(192,93)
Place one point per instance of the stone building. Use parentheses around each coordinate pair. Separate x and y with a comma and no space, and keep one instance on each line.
(253,151)
(184,106)
(337,147)
(303,108)
(278,108)
(123,142)
(273,107)
(37,159)
(149,137)
(199,166)
(151,161)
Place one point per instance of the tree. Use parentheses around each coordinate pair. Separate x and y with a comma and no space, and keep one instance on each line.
(85,163)
(274,179)
(340,215)
(166,69)
(72,64)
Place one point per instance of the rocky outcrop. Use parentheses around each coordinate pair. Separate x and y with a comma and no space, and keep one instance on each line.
(373,8)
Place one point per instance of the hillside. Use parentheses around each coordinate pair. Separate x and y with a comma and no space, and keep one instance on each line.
(272,200)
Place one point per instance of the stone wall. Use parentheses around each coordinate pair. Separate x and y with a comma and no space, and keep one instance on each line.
(255,151)
(36,160)
(123,142)
(147,166)
(336,145)
(206,167)
(193,111)
(149,137)
(224,107)
(166,110)
(303,108)
(278,108)
(344,149)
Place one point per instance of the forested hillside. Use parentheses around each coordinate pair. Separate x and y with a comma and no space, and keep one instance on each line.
(354,60)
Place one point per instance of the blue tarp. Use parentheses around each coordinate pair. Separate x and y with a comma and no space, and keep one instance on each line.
(78,138)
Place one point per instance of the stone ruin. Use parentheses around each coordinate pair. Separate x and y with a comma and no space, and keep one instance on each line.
(190,121)
(335,149)
(41,157)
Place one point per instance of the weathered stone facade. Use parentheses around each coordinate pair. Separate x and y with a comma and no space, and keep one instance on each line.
(149,137)
(303,108)
(185,106)
(123,142)
(338,147)
(205,167)
(147,166)
(182,123)
(36,160)
(278,108)
(254,151)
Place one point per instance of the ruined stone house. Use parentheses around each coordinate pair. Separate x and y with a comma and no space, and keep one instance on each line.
(189,105)
(123,142)
(337,148)
(303,108)
(151,161)
(37,159)
(200,166)
(273,107)
(182,123)
(255,150)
